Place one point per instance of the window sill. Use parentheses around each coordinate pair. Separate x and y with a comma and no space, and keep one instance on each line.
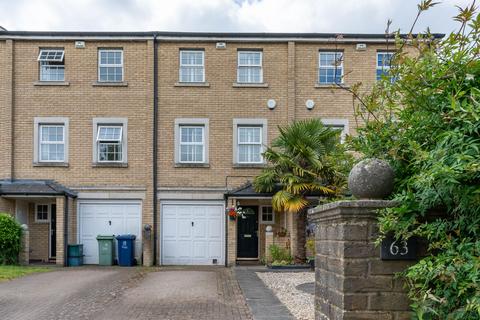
(50,164)
(250,85)
(192,84)
(109,165)
(192,165)
(109,84)
(249,165)
(331,86)
(51,83)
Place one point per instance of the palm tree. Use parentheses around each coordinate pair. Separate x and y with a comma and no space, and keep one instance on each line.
(306,158)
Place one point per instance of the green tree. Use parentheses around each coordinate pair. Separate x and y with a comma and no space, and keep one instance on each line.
(426,124)
(306,158)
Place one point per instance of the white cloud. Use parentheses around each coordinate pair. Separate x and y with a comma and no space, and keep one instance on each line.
(354,16)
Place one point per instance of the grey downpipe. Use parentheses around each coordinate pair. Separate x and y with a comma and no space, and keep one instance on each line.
(65,232)
(226,230)
(155,148)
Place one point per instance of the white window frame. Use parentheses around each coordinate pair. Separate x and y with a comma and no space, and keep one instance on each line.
(60,59)
(41,142)
(110,65)
(202,66)
(261,215)
(191,122)
(49,208)
(38,122)
(384,67)
(339,67)
(262,123)
(110,122)
(46,60)
(202,143)
(239,65)
(118,141)
(337,123)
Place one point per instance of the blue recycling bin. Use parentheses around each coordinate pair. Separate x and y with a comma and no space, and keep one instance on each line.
(126,250)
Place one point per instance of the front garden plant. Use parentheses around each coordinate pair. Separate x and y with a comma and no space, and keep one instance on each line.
(424,119)
(10,236)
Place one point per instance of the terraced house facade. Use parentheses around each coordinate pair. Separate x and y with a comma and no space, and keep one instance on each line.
(158,134)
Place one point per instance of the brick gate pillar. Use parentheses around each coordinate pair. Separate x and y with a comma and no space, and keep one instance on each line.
(268,243)
(351,281)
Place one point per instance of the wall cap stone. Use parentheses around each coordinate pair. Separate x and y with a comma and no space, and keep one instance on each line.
(348,209)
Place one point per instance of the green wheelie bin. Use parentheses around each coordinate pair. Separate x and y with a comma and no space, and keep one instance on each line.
(105,250)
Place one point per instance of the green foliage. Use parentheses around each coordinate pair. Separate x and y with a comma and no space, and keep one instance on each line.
(12,272)
(280,256)
(10,233)
(310,246)
(426,124)
(306,157)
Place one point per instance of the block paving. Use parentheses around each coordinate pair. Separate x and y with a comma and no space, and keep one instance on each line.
(125,293)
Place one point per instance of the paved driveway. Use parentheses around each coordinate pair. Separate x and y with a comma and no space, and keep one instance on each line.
(124,293)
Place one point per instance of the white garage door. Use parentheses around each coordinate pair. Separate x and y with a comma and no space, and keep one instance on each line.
(193,234)
(107,218)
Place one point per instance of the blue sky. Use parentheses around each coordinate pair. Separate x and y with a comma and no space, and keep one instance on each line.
(341,16)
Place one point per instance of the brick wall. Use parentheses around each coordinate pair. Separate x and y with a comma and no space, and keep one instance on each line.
(352,282)
(290,69)
(39,233)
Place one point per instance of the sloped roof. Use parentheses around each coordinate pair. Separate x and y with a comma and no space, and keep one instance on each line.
(34,187)
(247,190)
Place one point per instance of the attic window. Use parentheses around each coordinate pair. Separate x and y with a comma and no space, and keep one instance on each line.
(52,66)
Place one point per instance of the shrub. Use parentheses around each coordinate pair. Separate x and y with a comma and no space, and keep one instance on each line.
(426,124)
(310,246)
(10,234)
(280,256)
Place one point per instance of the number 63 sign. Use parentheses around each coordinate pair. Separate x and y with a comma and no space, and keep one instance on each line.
(398,249)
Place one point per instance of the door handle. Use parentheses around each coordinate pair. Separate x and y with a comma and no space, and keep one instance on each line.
(109,222)
(192,223)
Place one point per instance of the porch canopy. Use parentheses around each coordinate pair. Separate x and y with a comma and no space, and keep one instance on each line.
(248,191)
(22,191)
(26,187)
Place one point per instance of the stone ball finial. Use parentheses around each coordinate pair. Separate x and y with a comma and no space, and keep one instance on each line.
(24,227)
(371,179)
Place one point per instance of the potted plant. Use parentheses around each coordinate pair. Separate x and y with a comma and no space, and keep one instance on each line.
(232,214)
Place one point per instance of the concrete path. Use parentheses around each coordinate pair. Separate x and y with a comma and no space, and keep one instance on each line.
(124,293)
(262,302)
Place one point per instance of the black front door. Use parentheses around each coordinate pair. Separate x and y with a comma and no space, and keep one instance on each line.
(247,233)
(53,231)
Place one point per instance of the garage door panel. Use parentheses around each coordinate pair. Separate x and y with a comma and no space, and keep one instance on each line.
(215,250)
(184,229)
(184,249)
(215,229)
(170,228)
(169,248)
(200,249)
(198,243)
(109,218)
(199,231)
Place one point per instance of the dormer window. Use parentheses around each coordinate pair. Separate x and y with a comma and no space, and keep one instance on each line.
(52,64)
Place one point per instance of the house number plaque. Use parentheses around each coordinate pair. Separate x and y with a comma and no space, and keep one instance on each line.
(398,249)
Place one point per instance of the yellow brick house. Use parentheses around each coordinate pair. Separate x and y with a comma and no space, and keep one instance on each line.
(158,133)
